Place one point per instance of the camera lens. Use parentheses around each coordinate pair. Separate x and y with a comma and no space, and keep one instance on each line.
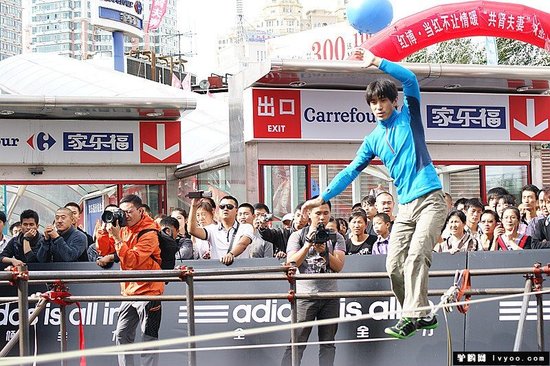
(107,217)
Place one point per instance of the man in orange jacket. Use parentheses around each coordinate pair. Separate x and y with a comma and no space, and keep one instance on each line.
(137,254)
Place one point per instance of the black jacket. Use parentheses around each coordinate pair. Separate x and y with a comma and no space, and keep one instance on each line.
(14,249)
(541,234)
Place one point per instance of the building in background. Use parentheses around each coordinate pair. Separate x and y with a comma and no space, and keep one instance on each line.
(246,42)
(63,27)
(11,29)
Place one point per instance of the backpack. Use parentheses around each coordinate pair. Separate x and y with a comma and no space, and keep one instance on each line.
(168,248)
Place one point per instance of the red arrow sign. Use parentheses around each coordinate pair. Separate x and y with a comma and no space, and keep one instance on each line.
(529,118)
(160,142)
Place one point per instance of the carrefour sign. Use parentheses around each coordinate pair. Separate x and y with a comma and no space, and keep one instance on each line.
(119,15)
(344,115)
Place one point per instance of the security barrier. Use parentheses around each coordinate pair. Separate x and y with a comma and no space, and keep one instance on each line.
(254,293)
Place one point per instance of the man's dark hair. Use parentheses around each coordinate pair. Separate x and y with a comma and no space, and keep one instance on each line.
(381,88)
(3,217)
(260,206)
(356,206)
(73,204)
(133,199)
(169,221)
(370,199)
(325,202)
(461,201)
(230,198)
(531,188)
(29,214)
(147,209)
(384,216)
(249,206)
(473,202)
(14,225)
(299,206)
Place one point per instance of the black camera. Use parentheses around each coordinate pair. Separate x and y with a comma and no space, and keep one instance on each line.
(322,235)
(199,194)
(114,217)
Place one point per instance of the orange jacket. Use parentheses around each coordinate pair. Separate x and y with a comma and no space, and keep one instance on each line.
(105,243)
(140,255)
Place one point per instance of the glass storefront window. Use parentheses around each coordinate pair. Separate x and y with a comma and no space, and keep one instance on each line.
(372,180)
(461,181)
(45,199)
(511,177)
(284,187)
(215,181)
(150,194)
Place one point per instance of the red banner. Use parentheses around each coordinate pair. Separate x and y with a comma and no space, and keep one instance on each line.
(445,22)
(158,9)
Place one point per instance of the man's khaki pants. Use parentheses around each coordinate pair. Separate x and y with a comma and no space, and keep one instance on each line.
(412,239)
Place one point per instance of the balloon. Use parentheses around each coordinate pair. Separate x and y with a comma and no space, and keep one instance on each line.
(369,16)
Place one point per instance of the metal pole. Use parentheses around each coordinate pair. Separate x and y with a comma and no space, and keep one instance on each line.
(7,348)
(293,319)
(23,306)
(540,323)
(523,314)
(63,331)
(190,292)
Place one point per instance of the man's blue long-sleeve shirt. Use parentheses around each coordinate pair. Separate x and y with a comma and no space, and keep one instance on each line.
(400,144)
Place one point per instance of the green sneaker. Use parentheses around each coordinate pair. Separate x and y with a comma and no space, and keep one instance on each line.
(405,328)
(427,323)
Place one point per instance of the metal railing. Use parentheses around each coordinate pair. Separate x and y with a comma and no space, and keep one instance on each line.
(21,278)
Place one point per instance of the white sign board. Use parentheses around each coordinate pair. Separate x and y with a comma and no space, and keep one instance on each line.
(345,115)
(118,15)
(332,42)
(45,142)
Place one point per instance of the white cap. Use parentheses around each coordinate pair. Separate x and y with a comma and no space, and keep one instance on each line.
(287,217)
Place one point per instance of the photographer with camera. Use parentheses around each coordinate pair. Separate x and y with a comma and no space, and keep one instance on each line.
(259,248)
(316,250)
(136,252)
(62,241)
(277,236)
(228,239)
(103,252)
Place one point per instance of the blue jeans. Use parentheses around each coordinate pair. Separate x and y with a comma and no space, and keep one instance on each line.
(310,310)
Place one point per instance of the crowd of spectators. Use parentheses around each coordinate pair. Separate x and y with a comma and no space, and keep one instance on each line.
(245,230)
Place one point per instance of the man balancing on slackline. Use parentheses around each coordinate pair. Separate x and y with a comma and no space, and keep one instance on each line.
(398,140)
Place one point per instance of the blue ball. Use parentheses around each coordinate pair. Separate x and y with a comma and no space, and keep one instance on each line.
(369,16)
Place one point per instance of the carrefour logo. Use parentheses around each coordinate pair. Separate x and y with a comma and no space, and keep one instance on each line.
(41,141)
